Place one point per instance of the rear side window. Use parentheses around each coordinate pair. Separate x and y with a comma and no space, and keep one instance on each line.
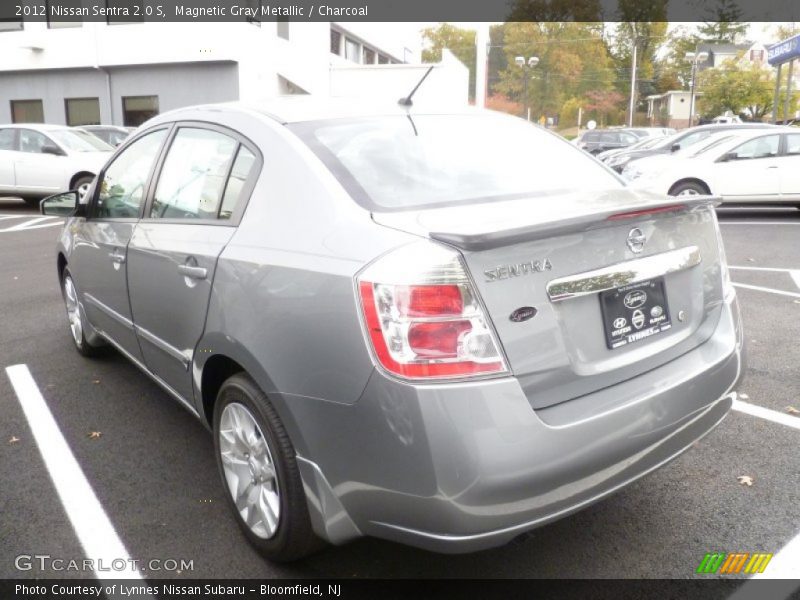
(193,178)
(792,143)
(240,173)
(405,162)
(7,139)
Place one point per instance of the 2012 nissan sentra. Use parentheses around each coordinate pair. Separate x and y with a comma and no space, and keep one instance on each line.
(443,328)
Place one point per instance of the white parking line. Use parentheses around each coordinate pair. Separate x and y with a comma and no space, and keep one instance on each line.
(36,223)
(767,269)
(795,275)
(766,413)
(758,288)
(91,523)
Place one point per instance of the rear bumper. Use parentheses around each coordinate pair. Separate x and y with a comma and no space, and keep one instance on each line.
(462,467)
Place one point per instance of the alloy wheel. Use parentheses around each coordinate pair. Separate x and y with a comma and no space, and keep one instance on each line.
(249,470)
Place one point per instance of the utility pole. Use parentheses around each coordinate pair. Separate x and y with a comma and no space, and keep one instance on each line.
(633,85)
(481,57)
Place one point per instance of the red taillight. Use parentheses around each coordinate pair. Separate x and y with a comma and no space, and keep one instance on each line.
(429,300)
(437,340)
(434,329)
(647,211)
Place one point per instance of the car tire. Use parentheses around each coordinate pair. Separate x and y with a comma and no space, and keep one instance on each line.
(76,325)
(82,184)
(689,188)
(259,472)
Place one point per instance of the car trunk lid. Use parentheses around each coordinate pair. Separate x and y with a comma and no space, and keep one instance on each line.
(565,254)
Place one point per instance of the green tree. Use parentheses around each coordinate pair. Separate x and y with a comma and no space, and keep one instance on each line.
(741,88)
(725,25)
(461,42)
(643,24)
(573,60)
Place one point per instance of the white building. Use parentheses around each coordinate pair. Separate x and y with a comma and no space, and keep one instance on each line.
(124,73)
(670,109)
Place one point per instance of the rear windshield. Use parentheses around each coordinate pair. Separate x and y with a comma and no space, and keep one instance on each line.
(396,163)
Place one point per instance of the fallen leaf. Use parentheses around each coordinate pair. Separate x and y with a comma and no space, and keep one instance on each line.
(743,396)
(792,410)
(96,381)
(751,260)
(745,480)
(14,439)
(94,435)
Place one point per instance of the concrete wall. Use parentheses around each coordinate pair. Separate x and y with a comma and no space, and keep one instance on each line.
(448,83)
(175,86)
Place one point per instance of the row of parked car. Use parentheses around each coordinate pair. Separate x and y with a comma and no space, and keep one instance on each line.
(739,162)
(37,160)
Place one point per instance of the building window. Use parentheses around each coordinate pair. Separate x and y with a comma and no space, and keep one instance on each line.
(352,50)
(369,56)
(756,55)
(82,111)
(11,25)
(124,12)
(336,42)
(283,28)
(137,109)
(27,111)
(383,60)
(54,23)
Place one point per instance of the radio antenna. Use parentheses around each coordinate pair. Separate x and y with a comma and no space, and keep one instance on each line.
(407,100)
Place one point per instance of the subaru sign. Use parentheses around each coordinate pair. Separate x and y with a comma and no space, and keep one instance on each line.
(784,51)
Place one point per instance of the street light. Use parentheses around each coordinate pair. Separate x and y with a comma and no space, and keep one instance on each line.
(526,64)
(694,58)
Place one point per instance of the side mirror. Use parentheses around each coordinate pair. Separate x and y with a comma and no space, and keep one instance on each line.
(51,149)
(62,205)
(729,156)
(675,147)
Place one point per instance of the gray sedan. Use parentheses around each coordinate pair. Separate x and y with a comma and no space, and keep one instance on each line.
(438,328)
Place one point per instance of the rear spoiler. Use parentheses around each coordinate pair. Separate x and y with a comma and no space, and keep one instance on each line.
(477,239)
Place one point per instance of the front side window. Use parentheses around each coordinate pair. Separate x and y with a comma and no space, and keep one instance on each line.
(27,111)
(763,147)
(194,174)
(79,141)
(406,162)
(33,141)
(7,137)
(122,188)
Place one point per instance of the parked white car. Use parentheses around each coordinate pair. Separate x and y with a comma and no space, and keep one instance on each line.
(739,166)
(40,160)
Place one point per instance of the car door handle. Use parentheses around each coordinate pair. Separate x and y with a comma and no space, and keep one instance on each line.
(193,272)
(116,257)
(772,167)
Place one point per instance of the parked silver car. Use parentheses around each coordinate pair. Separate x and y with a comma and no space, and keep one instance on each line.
(438,328)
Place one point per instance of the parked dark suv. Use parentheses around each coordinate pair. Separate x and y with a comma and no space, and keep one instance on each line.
(599,140)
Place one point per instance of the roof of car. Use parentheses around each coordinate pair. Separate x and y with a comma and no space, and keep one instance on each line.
(294,109)
(37,126)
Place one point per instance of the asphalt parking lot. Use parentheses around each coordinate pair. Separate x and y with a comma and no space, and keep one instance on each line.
(153,471)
